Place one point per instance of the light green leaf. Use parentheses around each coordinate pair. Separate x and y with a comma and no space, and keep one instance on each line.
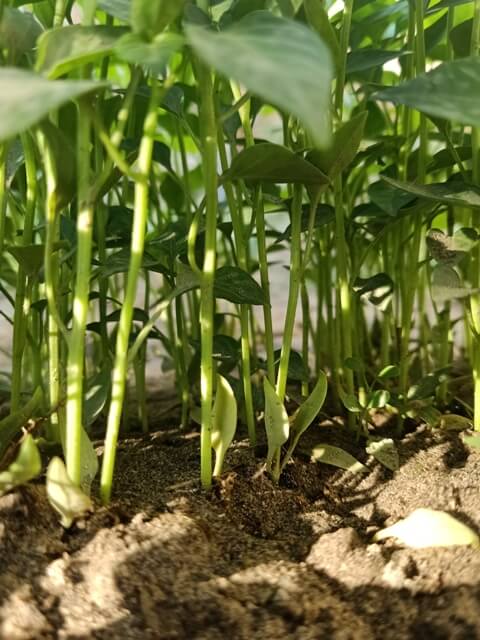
(282,61)
(350,401)
(337,457)
(224,421)
(65,48)
(310,408)
(26,98)
(26,466)
(378,399)
(276,421)
(66,498)
(117,8)
(385,451)
(446,285)
(150,17)
(154,54)
(445,92)
(429,528)
(453,422)
(266,162)
(390,371)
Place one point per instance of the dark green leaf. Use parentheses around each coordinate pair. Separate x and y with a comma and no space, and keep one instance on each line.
(117,8)
(453,192)
(364,59)
(18,33)
(238,286)
(268,162)
(150,18)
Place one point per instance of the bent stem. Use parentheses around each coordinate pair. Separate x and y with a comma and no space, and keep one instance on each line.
(120,368)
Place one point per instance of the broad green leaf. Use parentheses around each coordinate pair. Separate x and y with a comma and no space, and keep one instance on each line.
(239,9)
(317,17)
(385,451)
(224,421)
(154,55)
(117,8)
(26,98)
(150,17)
(445,92)
(354,363)
(430,528)
(446,285)
(337,457)
(343,149)
(13,423)
(18,33)
(26,466)
(378,399)
(390,199)
(282,61)
(310,408)
(63,153)
(297,369)
(267,162)
(364,59)
(29,257)
(350,401)
(460,37)
(276,421)
(65,48)
(68,500)
(445,4)
(238,286)
(454,192)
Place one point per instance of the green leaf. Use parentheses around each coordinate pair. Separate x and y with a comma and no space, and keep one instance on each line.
(66,48)
(89,463)
(378,399)
(445,92)
(343,149)
(385,451)
(390,371)
(472,441)
(317,17)
(446,285)
(151,17)
(364,59)
(453,422)
(282,61)
(96,396)
(26,466)
(68,500)
(18,33)
(310,408)
(238,286)
(29,257)
(297,369)
(337,457)
(154,55)
(277,425)
(379,287)
(460,37)
(350,401)
(117,8)
(26,98)
(63,152)
(13,423)
(445,4)
(429,528)
(224,421)
(453,193)
(267,162)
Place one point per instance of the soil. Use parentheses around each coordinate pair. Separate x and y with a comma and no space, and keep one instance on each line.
(249,559)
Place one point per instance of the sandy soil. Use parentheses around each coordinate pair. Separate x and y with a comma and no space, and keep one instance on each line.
(249,559)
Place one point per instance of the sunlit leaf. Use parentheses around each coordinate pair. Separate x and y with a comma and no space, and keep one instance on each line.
(276,421)
(337,457)
(66,498)
(310,407)
(385,451)
(26,466)
(429,528)
(224,421)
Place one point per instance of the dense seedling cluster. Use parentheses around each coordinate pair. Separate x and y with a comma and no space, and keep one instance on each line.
(148,149)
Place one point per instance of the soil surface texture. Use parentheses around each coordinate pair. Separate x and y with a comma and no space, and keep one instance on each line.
(249,559)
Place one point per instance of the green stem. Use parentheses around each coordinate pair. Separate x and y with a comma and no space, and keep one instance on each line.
(207,300)
(120,368)
(22,301)
(293,290)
